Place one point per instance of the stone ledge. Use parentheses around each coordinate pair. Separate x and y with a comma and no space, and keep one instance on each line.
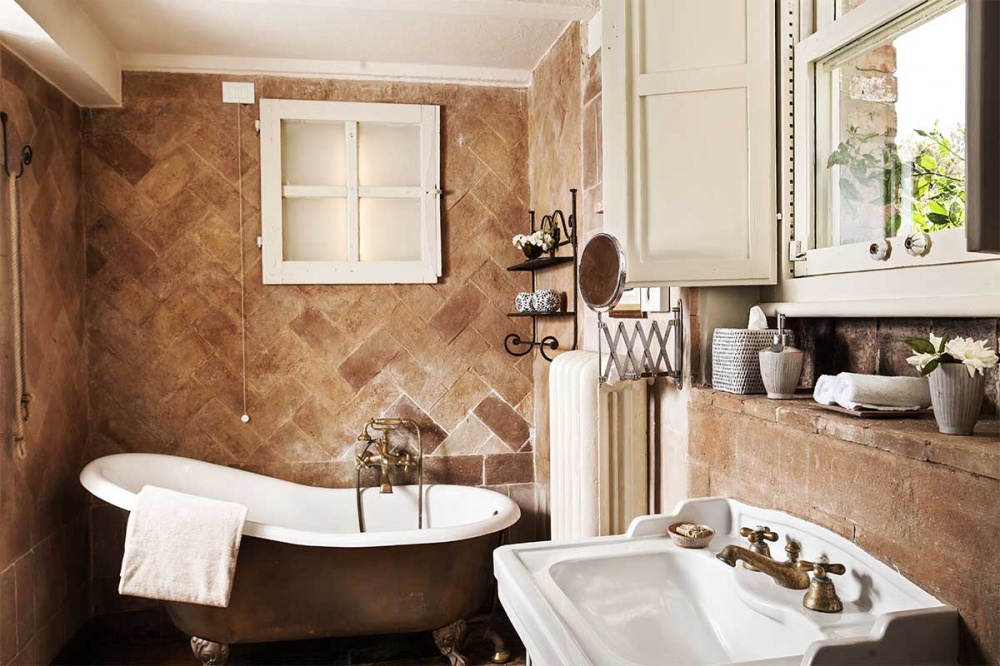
(912,438)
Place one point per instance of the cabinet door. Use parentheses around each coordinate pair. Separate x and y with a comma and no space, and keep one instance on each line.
(689,140)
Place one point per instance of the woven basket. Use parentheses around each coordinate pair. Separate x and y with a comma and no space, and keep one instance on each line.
(735,360)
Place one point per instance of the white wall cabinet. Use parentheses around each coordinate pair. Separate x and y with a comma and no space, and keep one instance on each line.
(350,192)
(689,140)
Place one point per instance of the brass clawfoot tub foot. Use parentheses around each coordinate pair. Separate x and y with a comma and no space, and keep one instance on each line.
(450,639)
(210,653)
(500,653)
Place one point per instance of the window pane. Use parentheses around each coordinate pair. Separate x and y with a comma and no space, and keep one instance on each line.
(892,156)
(390,230)
(315,229)
(313,153)
(388,155)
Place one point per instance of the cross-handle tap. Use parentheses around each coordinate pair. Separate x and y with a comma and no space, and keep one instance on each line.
(383,455)
(758,537)
(822,594)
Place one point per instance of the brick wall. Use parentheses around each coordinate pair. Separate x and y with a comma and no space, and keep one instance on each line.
(924,503)
(878,347)
(44,552)
(162,214)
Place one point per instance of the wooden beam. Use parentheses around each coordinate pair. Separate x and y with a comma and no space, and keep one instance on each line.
(557,10)
(375,71)
(60,42)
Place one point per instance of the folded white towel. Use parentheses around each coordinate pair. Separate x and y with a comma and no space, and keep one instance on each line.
(181,547)
(854,391)
(825,391)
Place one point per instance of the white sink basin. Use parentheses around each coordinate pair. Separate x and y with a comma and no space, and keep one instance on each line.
(639,599)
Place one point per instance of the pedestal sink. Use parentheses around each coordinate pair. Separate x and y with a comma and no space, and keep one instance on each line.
(639,599)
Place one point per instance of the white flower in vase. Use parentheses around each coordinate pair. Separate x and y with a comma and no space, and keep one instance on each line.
(956,398)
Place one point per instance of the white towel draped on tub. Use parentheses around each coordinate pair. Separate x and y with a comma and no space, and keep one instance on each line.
(181,547)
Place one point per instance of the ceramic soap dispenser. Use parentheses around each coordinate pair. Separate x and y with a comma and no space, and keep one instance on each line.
(781,365)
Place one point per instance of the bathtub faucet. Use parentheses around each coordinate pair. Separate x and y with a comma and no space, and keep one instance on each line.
(387,458)
(383,456)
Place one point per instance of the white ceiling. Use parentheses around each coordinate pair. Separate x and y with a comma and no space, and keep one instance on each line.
(486,41)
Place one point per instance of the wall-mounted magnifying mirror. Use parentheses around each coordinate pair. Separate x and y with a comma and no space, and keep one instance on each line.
(602,273)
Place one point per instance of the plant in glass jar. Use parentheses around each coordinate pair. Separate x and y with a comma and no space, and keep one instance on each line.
(956,368)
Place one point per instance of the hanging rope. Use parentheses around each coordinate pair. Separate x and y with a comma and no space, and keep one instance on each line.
(21,396)
(243,294)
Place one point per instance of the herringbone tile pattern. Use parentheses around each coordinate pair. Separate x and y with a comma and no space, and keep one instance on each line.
(163,293)
(43,530)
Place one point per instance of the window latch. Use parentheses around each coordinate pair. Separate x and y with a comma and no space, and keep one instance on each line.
(796,252)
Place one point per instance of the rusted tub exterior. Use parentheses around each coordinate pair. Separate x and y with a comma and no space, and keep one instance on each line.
(305,569)
(287,592)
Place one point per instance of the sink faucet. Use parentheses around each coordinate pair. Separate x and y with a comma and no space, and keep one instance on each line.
(786,574)
(792,573)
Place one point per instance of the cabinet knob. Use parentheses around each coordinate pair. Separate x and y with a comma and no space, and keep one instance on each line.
(917,244)
(880,250)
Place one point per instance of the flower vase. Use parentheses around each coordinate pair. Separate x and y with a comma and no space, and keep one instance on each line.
(957,398)
(532,251)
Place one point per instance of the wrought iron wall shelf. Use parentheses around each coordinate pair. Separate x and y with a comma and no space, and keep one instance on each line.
(565,237)
(541,262)
(541,314)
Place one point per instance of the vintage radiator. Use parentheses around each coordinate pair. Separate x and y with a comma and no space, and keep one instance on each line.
(598,449)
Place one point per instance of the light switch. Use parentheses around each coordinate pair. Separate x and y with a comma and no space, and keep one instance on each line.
(237,93)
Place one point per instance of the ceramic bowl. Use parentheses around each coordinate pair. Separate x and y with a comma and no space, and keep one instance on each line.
(703,534)
(523,302)
(546,300)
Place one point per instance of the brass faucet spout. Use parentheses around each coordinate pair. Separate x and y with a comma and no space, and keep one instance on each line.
(729,555)
(785,574)
(385,486)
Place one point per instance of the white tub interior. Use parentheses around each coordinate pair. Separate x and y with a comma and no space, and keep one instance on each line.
(306,515)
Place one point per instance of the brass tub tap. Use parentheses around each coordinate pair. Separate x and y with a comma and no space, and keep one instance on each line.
(386,458)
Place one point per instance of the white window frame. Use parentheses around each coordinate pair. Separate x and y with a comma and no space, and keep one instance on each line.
(948,282)
(276,269)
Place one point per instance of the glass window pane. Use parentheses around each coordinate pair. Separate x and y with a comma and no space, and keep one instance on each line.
(390,230)
(894,159)
(315,229)
(313,153)
(388,155)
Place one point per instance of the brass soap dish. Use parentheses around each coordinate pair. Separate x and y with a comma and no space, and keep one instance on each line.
(690,535)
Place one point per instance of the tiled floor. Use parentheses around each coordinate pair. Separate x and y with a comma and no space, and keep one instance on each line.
(101,642)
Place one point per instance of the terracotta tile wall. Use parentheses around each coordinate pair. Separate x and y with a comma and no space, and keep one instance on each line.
(934,522)
(554,130)
(162,214)
(44,554)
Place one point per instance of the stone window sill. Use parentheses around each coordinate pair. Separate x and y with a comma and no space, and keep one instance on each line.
(912,438)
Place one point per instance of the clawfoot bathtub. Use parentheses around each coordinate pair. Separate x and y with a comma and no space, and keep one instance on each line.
(306,571)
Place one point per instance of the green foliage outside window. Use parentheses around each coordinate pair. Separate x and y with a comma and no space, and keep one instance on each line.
(935,199)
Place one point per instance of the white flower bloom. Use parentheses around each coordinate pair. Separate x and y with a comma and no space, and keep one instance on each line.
(935,341)
(976,356)
(920,361)
(542,238)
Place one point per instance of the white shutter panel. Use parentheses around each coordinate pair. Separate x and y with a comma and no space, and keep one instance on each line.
(689,140)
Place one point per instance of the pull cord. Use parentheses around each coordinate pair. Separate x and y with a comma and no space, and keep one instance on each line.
(243,292)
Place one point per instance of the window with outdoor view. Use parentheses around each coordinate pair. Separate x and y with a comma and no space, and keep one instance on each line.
(890,132)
